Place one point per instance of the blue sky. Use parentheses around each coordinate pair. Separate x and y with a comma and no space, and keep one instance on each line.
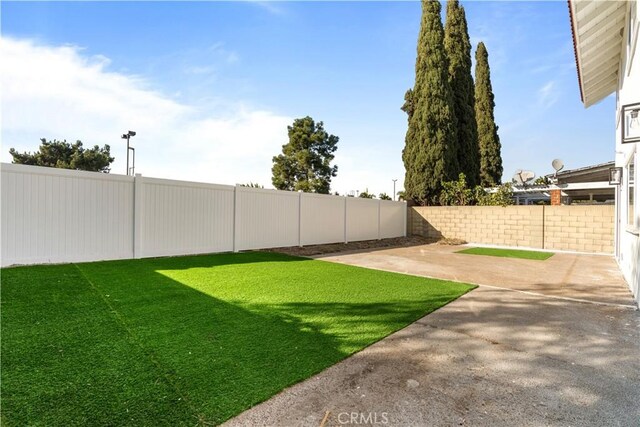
(211,86)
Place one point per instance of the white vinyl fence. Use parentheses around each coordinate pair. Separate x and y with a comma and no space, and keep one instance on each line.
(54,216)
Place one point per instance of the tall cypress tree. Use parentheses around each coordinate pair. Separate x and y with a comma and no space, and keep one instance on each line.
(458,49)
(488,140)
(429,154)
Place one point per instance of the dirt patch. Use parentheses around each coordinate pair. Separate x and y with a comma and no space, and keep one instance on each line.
(451,242)
(355,246)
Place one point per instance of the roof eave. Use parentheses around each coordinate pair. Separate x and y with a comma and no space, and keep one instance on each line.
(575,50)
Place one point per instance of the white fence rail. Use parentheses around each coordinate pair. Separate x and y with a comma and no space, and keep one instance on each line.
(54,216)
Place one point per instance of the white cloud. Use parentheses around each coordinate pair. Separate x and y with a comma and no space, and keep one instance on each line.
(273,7)
(57,92)
(548,94)
(228,56)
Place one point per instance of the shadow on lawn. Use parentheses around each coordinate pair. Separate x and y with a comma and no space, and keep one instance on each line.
(140,347)
(69,359)
(223,357)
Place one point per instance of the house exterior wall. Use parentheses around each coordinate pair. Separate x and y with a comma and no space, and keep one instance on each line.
(628,250)
(572,228)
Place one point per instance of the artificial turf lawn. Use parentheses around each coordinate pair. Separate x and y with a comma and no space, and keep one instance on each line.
(508,253)
(188,340)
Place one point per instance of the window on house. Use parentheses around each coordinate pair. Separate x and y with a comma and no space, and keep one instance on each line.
(631,188)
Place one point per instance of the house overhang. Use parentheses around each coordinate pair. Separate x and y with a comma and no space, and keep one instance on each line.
(597,27)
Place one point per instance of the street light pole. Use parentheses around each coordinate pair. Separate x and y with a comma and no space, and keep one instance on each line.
(128,136)
(394,189)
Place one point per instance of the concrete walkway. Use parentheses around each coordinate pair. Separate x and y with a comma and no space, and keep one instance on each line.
(524,350)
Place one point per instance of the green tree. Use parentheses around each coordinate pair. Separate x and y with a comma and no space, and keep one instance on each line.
(305,162)
(429,154)
(384,196)
(488,139)
(407,107)
(252,184)
(366,195)
(458,49)
(542,180)
(61,154)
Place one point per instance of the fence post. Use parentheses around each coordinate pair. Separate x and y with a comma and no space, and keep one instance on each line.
(235,218)
(379,207)
(346,199)
(137,215)
(300,218)
(406,212)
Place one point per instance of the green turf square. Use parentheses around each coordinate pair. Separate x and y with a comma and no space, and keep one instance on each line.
(508,253)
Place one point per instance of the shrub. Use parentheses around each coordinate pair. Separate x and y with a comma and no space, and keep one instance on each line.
(503,196)
(456,193)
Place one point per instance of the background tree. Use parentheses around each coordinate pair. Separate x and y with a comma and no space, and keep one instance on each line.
(61,154)
(488,140)
(458,49)
(384,196)
(305,162)
(366,195)
(407,107)
(429,154)
(252,184)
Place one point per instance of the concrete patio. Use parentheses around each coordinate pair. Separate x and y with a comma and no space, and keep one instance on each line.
(553,342)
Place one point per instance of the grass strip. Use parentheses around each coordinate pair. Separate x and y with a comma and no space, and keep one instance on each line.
(508,253)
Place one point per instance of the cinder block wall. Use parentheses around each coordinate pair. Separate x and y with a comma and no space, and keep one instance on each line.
(577,228)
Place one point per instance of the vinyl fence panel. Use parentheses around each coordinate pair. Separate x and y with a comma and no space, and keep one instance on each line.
(362,219)
(322,219)
(392,219)
(179,217)
(54,215)
(266,218)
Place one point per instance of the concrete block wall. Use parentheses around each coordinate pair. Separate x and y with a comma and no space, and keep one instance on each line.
(577,228)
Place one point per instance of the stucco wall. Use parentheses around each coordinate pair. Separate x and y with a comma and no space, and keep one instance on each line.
(576,228)
(629,93)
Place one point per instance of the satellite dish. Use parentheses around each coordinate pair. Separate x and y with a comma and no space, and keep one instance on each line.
(527,176)
(557,164)
(523,177)
(517,178)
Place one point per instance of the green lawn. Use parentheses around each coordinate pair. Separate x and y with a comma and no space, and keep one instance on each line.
(508,253)
(188,340)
